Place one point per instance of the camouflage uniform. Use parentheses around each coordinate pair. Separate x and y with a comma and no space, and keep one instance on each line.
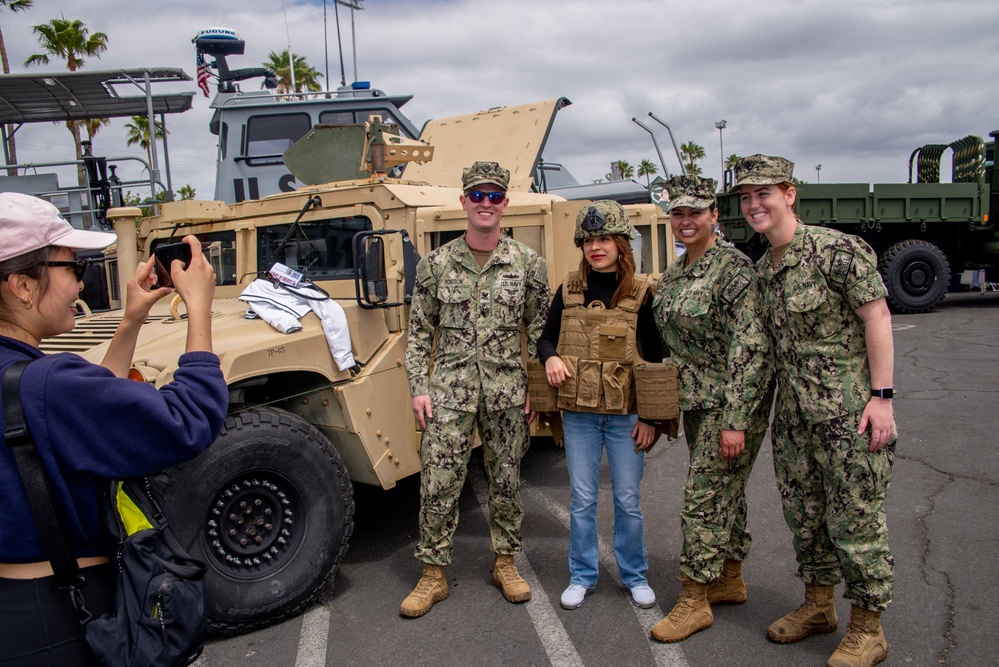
(708,316)
(477,381)
(832,488)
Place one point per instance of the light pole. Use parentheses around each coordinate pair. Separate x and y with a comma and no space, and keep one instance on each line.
(818,168)
(721,146)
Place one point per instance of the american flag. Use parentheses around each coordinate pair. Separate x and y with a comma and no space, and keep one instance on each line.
(202,74)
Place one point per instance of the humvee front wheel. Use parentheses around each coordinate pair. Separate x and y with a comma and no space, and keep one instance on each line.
(916,274)
(269,506)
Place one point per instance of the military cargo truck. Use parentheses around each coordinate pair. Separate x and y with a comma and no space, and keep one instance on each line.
(926,233)
(270,505)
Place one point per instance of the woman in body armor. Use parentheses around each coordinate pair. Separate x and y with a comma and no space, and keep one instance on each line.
(599,326)
(706,306)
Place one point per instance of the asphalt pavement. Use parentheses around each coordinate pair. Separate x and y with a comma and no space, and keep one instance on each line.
(943,527)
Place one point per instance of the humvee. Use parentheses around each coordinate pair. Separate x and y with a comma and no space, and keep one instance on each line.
(269,506)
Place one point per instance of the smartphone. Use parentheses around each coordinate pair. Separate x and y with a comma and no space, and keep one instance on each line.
(165,254)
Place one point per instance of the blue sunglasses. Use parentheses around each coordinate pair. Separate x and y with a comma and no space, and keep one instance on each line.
(494,197)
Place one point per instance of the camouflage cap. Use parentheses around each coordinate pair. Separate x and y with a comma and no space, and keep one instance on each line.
(602,218)
(762,170)
(691,191)
(485,172)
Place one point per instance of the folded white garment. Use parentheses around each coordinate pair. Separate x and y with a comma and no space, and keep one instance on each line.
(282,308)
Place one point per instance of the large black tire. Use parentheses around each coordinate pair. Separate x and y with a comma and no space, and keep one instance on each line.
(269,506)
(916,274)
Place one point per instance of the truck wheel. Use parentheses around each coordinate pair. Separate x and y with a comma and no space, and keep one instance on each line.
(916,274)
(269,506)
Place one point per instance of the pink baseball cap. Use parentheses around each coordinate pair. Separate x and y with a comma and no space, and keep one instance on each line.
(28,223)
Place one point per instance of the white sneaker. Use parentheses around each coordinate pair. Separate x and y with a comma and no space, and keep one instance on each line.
(642,596)
(572,597)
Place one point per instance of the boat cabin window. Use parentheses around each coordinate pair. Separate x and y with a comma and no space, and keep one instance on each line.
(267,137)
(360,118)
(220,251)
(322,249)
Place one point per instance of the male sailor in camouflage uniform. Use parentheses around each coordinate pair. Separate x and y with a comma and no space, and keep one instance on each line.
(834,427)
(476,294)
(707,308)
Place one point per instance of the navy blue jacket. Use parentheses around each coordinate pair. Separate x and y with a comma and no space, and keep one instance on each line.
(89,426)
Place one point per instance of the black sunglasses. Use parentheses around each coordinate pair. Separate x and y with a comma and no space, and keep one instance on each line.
(79,266)
(494,197)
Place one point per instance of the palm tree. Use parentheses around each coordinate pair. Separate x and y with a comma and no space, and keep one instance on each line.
(186,192)
(70,41)
(627,171)
(694,170)
(14,6)
(306,76)
(731,160)
(691,152)
(138,133)
(648,169)
(94,126)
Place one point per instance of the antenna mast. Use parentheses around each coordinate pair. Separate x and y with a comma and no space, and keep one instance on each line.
(354,5)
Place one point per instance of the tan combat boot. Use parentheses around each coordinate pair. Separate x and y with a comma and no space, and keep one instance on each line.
(817,614)
(864,643)
(431,588)
(728,588)
(508,580)
(691,614)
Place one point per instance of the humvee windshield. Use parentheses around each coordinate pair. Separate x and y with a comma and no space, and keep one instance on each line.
(323,253)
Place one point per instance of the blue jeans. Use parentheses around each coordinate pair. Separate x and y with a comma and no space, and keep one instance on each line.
(586,436)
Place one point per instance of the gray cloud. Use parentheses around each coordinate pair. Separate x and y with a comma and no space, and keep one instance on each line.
(852,84)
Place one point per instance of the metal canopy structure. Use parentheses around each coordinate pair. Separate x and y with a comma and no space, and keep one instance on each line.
(35,98)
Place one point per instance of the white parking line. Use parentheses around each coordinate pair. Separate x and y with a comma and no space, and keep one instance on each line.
(314,636)
(666,655)
(555,640)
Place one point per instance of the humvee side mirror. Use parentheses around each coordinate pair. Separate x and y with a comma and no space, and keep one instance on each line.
(370,277)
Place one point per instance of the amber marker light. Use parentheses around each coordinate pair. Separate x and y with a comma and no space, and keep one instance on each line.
(136,374)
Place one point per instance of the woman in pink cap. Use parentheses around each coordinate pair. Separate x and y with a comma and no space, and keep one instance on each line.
(87,421)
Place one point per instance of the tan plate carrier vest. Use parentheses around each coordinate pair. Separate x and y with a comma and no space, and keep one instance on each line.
(598,347)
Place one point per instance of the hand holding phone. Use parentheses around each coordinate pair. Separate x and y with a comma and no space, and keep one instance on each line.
(165,255)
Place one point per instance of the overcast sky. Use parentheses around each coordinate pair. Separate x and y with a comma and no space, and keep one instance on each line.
(853,85)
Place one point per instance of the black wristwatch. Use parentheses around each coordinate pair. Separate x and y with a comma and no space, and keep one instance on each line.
(884,392)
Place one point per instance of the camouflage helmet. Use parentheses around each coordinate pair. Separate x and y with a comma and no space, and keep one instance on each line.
(485,172)
(762,170)
(602,218)
(691,191)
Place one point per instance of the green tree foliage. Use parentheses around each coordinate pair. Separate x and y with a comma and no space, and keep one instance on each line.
(186,192)
(94,126)
(68,40)
(138,133)
(648,169)
(691,153)
(14,6)
(306,76)
(627,171)
(731,160)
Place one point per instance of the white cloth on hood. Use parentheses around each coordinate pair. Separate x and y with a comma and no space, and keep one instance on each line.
(282,308)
